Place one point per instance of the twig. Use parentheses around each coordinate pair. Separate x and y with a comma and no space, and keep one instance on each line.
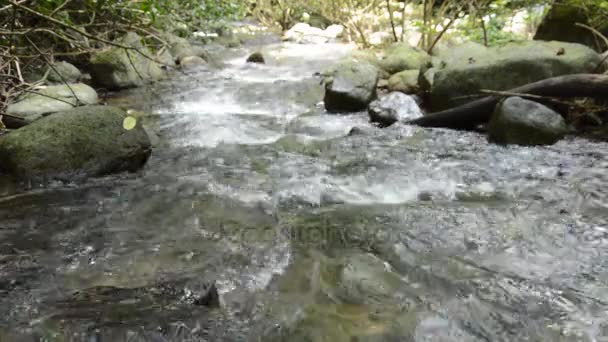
(529,96)
(84,33)
(78,102)
(594,31)
(18,71)
(59,7)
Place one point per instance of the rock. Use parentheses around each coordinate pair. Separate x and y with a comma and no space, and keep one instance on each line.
(165,57)
(393,107)
(84,141)
(404,81)
(334,31)
(192,62)
(524,122)
(305,34)
(399,57)
(365,279)
(560,24)
(117,68)
(351,88)
(256,57)
(51,99)
(502,68)
(179,47)
(64,72)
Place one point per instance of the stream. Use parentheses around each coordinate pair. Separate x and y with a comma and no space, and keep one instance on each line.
(311,231)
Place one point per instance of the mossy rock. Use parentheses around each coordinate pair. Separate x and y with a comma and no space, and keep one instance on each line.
(117,68)
(400,57)
(51,99)
(503,68)
(84,141)
(560,24)
(351,87)
(404,81)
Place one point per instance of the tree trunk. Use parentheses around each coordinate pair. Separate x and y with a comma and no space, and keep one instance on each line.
(473,114)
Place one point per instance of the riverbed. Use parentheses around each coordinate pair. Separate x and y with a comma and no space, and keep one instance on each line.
(313,226)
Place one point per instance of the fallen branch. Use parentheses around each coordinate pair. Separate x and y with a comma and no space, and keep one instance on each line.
(473,114)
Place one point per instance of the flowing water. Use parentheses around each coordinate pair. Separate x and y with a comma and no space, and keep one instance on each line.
(310,233)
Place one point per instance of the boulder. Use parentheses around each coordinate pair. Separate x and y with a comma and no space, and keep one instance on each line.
(256,57)
(524,122)
(181,48)
(51,99)
(116,68)
(404,81)
(192,62)
(351,87)
(63,72)
(401,56)
(84,141)
(393,107)
(560,24)
(502,68)
(305,34)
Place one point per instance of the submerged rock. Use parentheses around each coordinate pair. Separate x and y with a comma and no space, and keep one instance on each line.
(405,81)
(365,279)
(87,141)
(524,122)
(392,108)
(51,99)
(117,68)
(64,72)
(400,57)
(256,57)
(467,72)
(351,87)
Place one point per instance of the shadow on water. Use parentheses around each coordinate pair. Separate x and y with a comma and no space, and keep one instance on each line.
(309,233)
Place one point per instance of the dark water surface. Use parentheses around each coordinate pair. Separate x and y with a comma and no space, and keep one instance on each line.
(311,234)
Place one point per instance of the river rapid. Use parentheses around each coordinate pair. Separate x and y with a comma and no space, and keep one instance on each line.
(311,231)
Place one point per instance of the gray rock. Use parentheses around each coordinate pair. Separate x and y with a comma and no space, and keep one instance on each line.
(524,122)
(393,107)
(351,87)
(401,56)
(51,99)
(116,68)
(502,68)
(64,72)
(405,81)
(192,62)
(256,57)
(84,141)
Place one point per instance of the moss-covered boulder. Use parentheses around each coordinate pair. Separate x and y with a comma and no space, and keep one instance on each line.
(399,57)
(351,86)
(63,72)
(503,68)
(192,62)
(405,81)
(524,122)
(50,99)
(181,48)
(117,68)
(560,24)
(84,141)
